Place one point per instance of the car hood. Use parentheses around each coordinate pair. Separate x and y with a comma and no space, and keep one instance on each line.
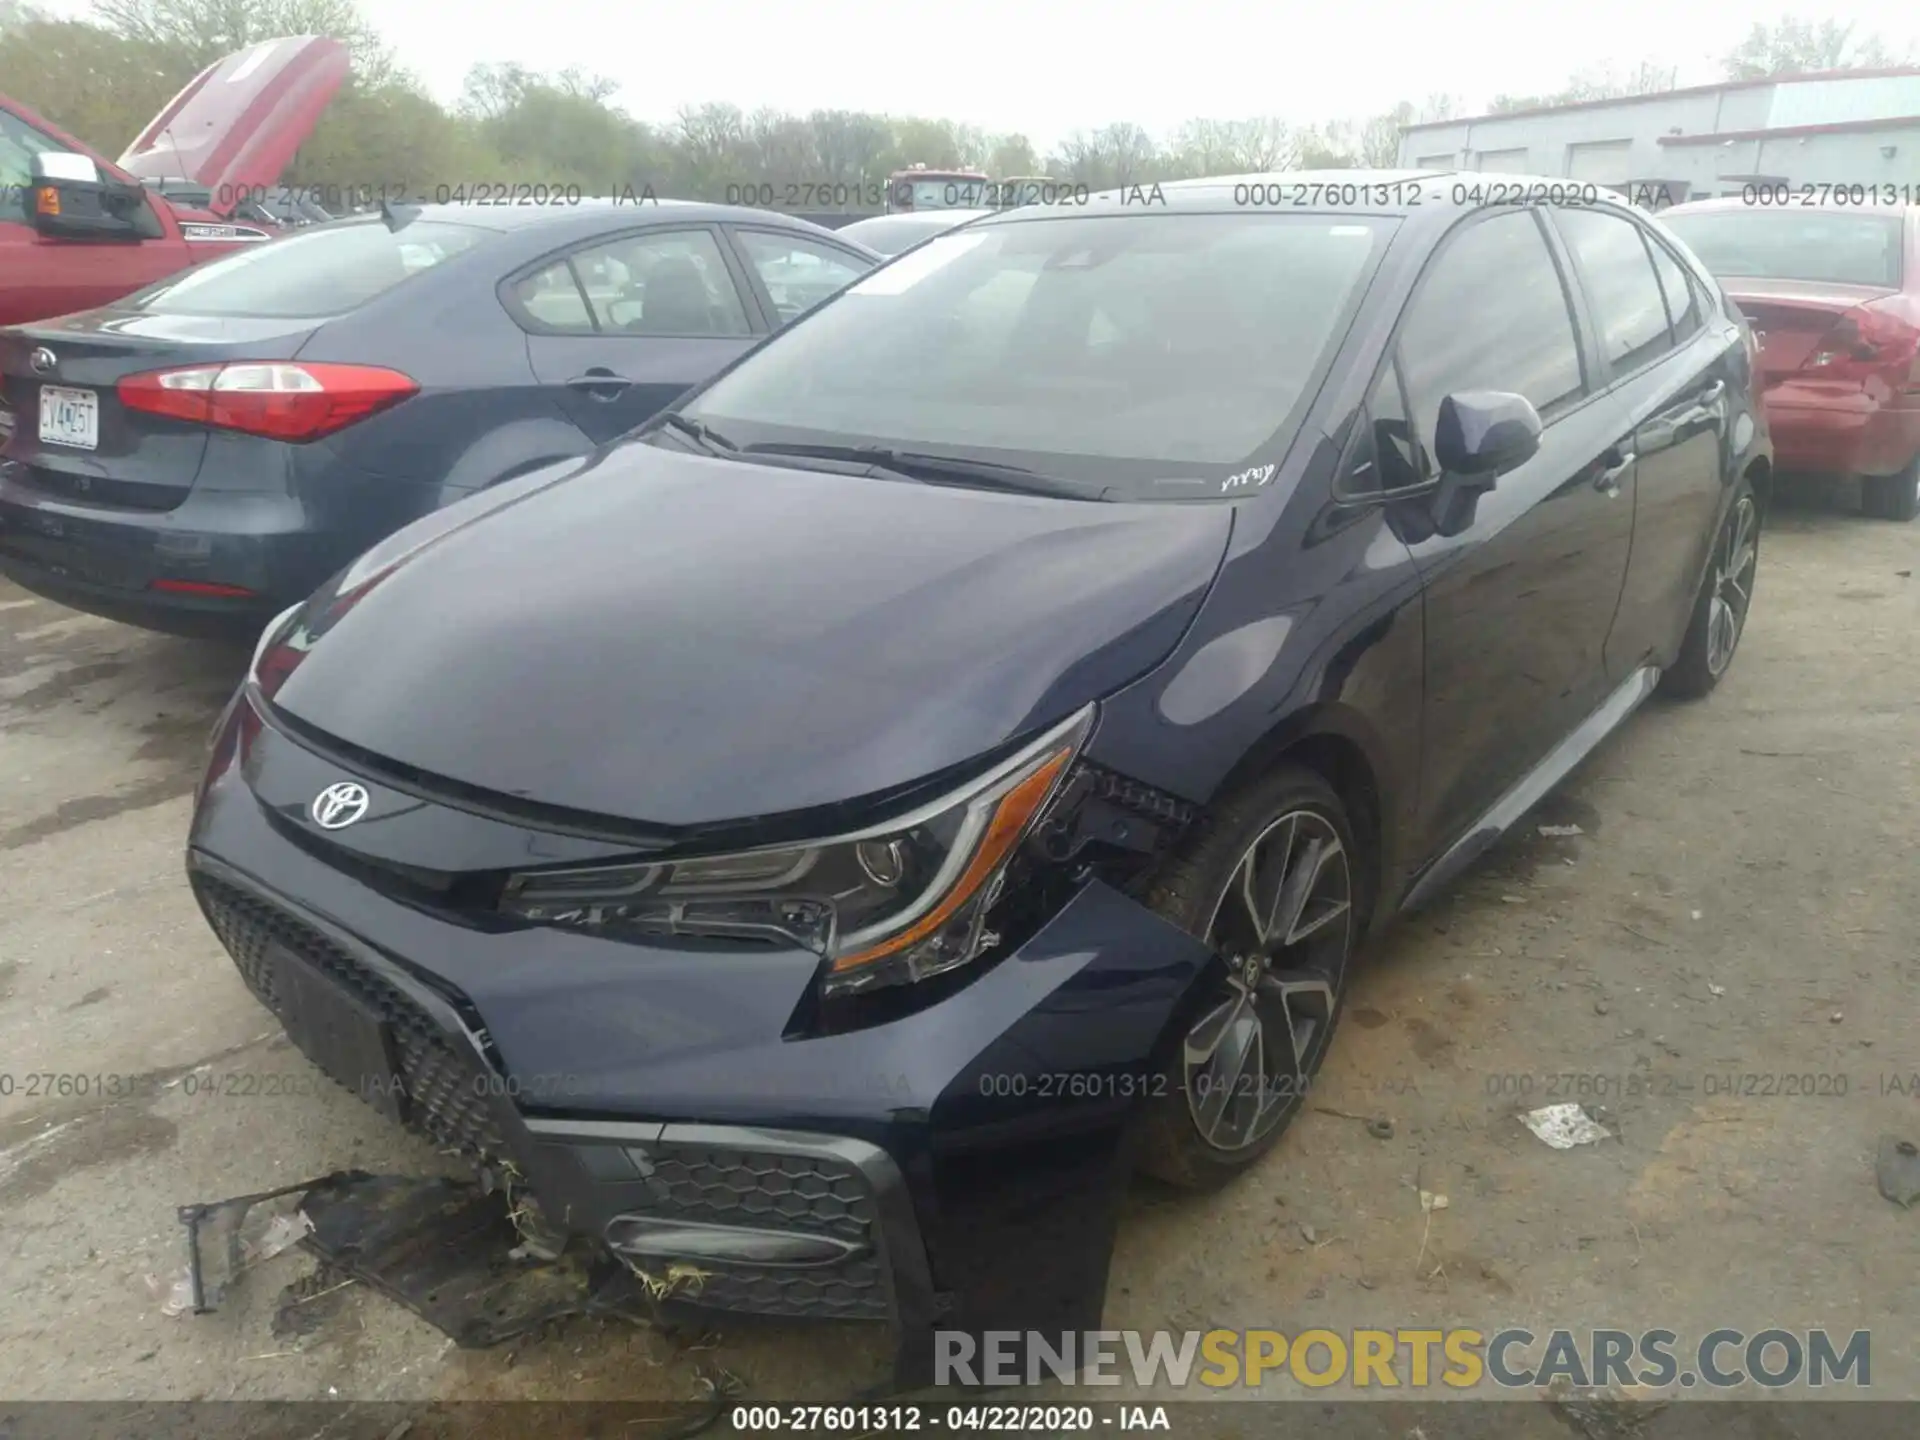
(239,121)
(684,642)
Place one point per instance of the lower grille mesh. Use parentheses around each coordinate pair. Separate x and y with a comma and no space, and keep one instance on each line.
(779,1192)
(853,1291)
(446,1090)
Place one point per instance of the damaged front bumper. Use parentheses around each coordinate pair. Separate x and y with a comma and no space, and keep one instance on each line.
(958,1167)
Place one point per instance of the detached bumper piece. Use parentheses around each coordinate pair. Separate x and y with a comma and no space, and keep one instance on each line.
(713,1218)
(441,1249)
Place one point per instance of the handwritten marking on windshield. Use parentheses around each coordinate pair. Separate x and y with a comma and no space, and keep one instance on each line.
(1248,479)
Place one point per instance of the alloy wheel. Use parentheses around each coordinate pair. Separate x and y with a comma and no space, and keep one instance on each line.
(1284,922)
(1734,562)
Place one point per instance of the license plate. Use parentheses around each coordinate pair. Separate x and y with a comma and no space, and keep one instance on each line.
(69,417)
(338,1031)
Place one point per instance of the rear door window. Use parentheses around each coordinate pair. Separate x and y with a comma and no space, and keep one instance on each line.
(672,282)
(1628,309)
(329,270)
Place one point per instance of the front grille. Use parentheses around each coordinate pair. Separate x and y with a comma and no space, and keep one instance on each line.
(446,1090)
(817,1194)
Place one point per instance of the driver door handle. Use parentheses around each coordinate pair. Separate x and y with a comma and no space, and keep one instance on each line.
(1615,463)
(601,383)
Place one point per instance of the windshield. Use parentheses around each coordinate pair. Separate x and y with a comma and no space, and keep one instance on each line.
(1145,357)
(325,271)
(1762,244)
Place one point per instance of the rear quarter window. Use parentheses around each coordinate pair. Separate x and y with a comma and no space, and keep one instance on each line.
(325,271)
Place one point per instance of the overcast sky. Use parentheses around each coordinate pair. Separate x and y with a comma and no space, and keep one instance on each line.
(1047,67)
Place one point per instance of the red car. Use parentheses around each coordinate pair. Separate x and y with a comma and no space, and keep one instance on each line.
(1833,296)
(227,136)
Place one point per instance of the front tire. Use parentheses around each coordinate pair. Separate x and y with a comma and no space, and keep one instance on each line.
(1892,497)
(1720,609)
(1273,882)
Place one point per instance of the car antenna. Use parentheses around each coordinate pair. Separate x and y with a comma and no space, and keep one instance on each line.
(173,146)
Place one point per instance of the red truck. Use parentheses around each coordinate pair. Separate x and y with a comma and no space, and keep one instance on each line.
(77,230)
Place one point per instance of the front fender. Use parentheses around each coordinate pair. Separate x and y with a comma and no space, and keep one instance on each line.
(1316,630)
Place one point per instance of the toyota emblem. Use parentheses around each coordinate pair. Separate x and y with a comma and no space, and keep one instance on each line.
(339,805)
(43,360)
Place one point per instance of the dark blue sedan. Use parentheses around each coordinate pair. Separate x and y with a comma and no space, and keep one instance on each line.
(822,844)
(198,455)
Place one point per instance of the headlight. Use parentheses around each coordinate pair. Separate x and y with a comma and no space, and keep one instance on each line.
(897,902)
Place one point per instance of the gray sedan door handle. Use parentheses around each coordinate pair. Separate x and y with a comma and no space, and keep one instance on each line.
(601,384)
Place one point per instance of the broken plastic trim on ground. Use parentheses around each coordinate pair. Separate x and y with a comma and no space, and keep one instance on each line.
(445,1249)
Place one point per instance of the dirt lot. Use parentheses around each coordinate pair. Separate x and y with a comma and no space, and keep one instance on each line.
(1740,901)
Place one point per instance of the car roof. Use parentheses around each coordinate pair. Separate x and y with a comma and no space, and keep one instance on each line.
(563,222)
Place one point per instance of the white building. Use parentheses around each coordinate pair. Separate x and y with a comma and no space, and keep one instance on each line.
(1845,127)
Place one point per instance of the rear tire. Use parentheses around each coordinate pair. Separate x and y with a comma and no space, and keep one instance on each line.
(1891,497)
(1720,609)
(1281,848)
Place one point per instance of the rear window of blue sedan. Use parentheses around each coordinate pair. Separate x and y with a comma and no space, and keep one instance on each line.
(310,274)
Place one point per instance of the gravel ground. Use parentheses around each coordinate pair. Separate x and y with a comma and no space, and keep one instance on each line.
(1735,918)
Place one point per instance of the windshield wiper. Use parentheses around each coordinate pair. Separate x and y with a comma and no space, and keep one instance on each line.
(704,435)
(920,465)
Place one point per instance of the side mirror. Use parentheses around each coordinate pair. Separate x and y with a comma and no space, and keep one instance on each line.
(1482,434)
(73,199)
